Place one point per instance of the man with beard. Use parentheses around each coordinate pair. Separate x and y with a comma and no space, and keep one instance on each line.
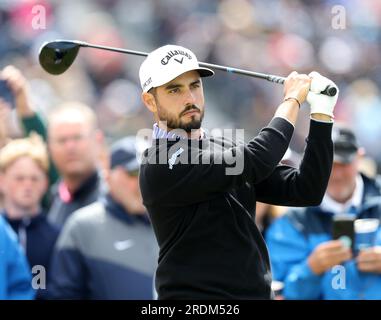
(201,191)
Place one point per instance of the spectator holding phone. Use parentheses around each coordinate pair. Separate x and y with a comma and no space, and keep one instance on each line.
(301,248)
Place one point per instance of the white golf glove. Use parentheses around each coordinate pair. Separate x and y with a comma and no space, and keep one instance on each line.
(321,103)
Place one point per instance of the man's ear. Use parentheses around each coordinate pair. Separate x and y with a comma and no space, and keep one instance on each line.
(149,101)
(99,136)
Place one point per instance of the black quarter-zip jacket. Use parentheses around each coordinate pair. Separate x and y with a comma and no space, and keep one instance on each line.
(203,218)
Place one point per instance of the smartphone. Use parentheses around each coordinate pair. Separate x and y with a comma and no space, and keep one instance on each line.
(343,228)
(6,93)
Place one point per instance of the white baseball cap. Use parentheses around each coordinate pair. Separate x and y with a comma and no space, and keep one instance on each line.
(166,63)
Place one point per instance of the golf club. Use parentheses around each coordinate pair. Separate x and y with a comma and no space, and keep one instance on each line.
(57,56)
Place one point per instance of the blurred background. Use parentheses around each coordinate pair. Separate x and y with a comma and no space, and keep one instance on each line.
(267,36)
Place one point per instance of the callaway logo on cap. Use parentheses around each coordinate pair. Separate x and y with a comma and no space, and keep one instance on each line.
(167,63)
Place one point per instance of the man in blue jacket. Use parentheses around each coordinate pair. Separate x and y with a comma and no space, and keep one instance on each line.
(303,254)
(15,276)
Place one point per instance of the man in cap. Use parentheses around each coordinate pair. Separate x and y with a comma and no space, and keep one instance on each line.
(107,250)
(301,248)
(201,191)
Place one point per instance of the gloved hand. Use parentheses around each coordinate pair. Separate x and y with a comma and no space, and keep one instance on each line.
(321,103)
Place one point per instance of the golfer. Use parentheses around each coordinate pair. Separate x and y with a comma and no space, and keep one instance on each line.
(201,191)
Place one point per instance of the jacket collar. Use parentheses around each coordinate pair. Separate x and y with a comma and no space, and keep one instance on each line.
(354,203)
(121,213)
(27,222)
(86,187)
(159,133)
(371,197)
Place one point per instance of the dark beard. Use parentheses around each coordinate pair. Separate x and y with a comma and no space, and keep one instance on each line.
(177,123)
(193,125)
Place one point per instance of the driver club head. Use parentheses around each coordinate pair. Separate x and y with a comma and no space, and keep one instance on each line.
(57,56)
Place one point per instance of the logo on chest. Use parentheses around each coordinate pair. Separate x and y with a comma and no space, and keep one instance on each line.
(172,160)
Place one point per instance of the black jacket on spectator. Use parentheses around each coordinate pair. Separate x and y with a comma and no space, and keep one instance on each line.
(210,247)
(88,193)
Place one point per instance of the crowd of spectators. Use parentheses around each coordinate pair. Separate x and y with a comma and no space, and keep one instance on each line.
(58,132)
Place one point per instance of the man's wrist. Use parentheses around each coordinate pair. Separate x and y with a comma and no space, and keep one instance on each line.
(313,265)
(321,117)
(293,100)
(24,109)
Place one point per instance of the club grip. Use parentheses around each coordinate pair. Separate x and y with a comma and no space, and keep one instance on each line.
(329,91)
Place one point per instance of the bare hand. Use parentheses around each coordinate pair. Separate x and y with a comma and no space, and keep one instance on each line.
(297,86)
(327,255)
(18,85)
(369,260)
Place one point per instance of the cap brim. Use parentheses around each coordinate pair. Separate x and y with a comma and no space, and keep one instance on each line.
(204,72)
(344,157)
(131,165)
